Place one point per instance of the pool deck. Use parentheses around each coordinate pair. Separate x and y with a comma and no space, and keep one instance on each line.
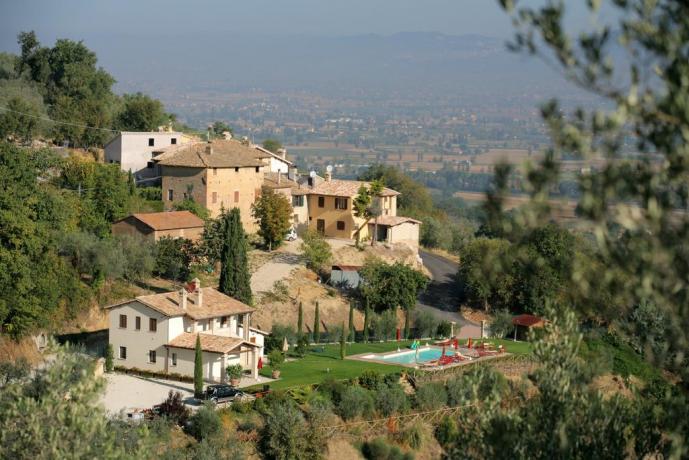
(379,358)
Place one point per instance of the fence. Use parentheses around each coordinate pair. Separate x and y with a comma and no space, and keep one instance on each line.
(395,423)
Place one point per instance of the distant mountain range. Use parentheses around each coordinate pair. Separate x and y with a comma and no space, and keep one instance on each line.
(411,61)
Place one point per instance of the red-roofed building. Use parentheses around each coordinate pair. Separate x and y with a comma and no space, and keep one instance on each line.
(522,323)
(155,225)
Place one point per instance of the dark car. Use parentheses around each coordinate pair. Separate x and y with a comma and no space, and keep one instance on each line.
(222,393)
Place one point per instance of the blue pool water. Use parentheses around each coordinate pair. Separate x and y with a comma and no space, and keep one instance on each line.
(409,357)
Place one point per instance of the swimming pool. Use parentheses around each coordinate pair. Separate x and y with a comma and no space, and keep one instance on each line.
(410,356)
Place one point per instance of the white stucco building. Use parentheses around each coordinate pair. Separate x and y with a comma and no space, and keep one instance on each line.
(134,151)
(158,332)
(278,162)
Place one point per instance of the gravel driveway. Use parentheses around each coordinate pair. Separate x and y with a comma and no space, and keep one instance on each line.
(278,267)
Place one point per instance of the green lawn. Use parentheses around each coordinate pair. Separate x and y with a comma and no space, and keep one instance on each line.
(318,366)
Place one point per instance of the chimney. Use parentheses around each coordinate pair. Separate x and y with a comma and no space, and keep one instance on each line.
(183,294)
(282,153)
(209,148)
(197,290)
(292,173)
(227,135)
(328,176)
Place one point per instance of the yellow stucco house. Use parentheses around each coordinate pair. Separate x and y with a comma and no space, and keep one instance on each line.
(330,211)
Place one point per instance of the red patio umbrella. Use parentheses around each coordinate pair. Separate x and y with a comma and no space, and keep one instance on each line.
(260,363)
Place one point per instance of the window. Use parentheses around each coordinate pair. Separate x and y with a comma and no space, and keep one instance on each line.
(123,321)
(152,325)
(170,194)
(151,142)
(149,165)
(321,202)
(258,168)
(340,203)
(223,321)
(151,356)
(297,201)
(215,197)
(340,225)
(236,169)
(173,141)
(174,359)
(137,323)
(123,352)
(236,196)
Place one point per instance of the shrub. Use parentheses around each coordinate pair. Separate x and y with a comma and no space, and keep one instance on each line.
(501,324)
(284,433)
(276,359)
(380,449)
(278,334)
(316,250)
(370,379)
(173,408)
(444,329)
(425,324)
(333,390)
(412,436)
(481,383)
(446,431)
(279,292)
(109,357)
(234,371)
(392,378)
(204,423)
(431,396)
(355,401)
(390,399)
(173,258)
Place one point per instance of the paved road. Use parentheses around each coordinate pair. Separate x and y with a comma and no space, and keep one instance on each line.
(440,299)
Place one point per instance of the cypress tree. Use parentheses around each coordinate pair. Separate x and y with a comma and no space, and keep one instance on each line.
(343,342)
(406,323)
(366,321)
(235,280)
(352,332)
(316,326)
(198,369)
(300,320)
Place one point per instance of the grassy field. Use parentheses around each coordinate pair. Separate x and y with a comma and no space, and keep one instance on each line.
(316,367)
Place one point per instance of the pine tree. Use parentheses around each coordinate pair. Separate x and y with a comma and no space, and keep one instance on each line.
(300,320)
(316,326)
(343,342)
(131,183)
(352,332)
(235,280)
(198,369)
(109,359)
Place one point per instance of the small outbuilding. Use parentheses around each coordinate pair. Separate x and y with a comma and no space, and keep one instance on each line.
(524,323)
(345,276)
(155,225)
(397,229)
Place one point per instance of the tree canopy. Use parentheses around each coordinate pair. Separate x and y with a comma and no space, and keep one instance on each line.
(140,113)
(390,286)
(272,145)
(273,212)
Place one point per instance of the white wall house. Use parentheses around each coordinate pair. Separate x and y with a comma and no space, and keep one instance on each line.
(278,161)
(134,151)
(158,333)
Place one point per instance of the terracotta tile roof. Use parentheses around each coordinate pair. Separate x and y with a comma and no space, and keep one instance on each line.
(274,155)
(168,220)
(348,188)
(527,320)
(391,221)
(270,180)
(213,304)
(224,154)
(209,342)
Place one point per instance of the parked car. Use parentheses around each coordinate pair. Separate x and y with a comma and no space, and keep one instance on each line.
(291,235)
(223,393)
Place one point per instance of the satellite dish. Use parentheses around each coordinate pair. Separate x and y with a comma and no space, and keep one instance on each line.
(312,174)
(329,168)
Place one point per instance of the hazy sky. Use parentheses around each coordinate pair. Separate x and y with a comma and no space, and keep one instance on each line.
(85,19)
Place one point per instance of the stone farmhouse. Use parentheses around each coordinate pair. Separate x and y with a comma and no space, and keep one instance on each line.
(158,333)
(156,225)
